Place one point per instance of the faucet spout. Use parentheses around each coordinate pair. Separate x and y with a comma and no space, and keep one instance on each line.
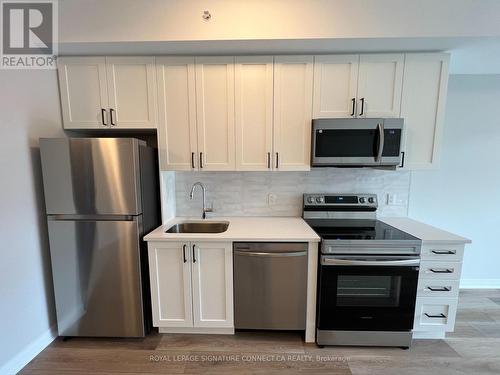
(205,209)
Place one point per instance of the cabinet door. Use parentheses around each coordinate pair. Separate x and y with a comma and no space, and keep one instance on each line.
(177,113)
(293,78)
(84,94)
(254,112)
(423,102)
(215,112)
(335,86)
(213,284)
(132,92)
(379,85)
(170,275)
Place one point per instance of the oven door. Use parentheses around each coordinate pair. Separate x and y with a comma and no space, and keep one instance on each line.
(356,142)
(369,293)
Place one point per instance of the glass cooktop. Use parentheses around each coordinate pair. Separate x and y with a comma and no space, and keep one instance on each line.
(377,230)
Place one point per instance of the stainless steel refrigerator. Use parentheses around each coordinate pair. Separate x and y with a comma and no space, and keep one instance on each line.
(101,196)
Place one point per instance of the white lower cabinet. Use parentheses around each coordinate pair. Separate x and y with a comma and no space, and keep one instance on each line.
(212,276)
(170,276)
(191,284)
(437,290)
(433,314)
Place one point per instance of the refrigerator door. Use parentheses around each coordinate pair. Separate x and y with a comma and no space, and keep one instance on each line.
(97,277)
(91,176)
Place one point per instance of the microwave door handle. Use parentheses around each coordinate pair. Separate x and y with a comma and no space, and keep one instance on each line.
(380,149)
(351,262)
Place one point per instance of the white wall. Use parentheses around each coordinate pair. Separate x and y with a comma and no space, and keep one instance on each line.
(246,193)
(29,108)
(167,20)
(463,195)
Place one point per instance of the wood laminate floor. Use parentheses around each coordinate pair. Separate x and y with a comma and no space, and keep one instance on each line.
(474,348)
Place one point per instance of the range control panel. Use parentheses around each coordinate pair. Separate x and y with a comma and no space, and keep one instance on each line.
(332,200)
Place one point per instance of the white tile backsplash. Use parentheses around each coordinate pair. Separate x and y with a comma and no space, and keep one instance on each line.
(247,193)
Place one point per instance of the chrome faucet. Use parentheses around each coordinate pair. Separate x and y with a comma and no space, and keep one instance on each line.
(205,209)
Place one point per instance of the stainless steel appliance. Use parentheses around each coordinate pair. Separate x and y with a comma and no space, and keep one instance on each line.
(101,197)
(367,273)
(270,285)
(367,142)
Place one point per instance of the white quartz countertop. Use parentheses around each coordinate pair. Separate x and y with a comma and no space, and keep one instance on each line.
(423,231)
(273,229)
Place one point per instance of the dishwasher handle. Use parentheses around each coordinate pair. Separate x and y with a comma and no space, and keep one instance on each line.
(266,254)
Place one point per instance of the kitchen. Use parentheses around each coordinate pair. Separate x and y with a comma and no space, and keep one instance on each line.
(330,165)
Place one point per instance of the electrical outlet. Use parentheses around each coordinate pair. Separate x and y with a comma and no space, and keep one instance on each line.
(271,199)
(395,200)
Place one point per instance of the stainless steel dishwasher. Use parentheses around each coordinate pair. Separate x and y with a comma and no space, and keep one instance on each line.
(270,285)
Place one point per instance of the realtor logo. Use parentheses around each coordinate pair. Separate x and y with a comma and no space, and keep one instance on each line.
(29,33)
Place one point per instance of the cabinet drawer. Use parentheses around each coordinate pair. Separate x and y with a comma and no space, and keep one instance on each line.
(442,252)
(435,314)
(440,270)
(437,288)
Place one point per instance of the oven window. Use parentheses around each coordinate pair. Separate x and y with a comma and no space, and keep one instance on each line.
(368,290)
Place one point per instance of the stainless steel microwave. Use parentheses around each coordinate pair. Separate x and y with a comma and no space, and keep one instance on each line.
(367,142)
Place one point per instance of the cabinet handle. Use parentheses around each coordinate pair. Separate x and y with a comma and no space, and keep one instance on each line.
(103,113)
(111,110)
(269,160)
(443,289)
(192,160)
(402,160)
(184,252)
(447,270)
(277,160)
(194,255)
(353,107)
(201,159)
(362,107)
(444,252)
(440,316)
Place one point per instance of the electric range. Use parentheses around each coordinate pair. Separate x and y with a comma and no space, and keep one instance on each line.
(367,273)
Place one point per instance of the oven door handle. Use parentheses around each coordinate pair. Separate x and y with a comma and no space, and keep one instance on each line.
(352,262)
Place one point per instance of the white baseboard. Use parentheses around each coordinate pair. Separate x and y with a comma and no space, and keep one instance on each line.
(480,284)
(21,359)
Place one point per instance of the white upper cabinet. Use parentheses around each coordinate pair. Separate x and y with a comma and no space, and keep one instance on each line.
(177,138)
(379,85)
(423,103)
(170,276)
(132,92)
(254,112)
(293,80)
(84,92)
(212,270)
(215,113)
(335,86)
(108,92)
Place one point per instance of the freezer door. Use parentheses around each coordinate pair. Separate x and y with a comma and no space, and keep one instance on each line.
(89,176)
(97,277)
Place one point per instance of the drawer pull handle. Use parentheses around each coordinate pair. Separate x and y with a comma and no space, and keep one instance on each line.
(441,271)
(444,252)
(440,316)
(443,289)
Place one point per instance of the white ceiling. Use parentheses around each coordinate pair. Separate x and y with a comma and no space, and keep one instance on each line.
(469,29)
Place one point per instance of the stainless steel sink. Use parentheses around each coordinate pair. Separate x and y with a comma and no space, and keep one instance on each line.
(199,227)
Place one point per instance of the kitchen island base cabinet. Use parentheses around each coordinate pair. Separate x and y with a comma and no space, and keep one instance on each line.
(191,286)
